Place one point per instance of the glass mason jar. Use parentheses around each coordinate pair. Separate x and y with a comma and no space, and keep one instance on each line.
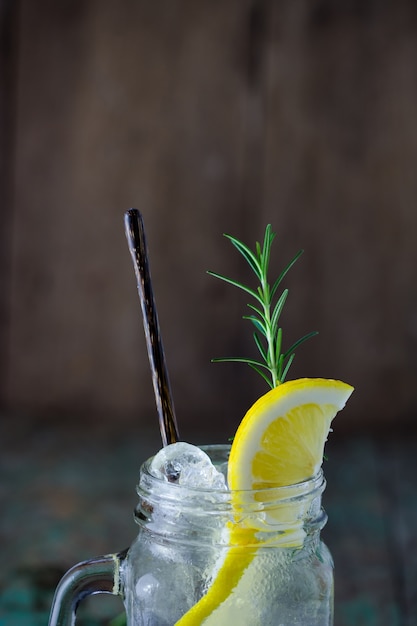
(253,558)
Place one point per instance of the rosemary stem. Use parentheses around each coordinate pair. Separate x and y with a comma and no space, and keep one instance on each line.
(269,337)
(265,315)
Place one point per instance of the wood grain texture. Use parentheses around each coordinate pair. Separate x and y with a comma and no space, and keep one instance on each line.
(212,117)
(340,148)
(8,49)
(138,114)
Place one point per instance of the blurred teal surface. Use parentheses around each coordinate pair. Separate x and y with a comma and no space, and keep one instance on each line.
(67,493)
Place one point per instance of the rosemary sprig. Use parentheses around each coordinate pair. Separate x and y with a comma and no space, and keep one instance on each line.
(265,313)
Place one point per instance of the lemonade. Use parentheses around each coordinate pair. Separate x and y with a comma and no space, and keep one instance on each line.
(195,561)
(238,540)
(230,534)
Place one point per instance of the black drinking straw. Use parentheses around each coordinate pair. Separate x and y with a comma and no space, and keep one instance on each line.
(135,235)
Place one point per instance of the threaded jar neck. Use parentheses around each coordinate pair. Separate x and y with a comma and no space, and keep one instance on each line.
(286,516)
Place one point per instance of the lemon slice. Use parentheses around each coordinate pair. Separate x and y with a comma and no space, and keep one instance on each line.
(281,439)
(280,442)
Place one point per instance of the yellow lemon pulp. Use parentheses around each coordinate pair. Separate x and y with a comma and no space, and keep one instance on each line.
(281,439)
(280,442)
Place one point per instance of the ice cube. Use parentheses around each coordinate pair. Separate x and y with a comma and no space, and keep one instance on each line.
(187,465)
(146,587)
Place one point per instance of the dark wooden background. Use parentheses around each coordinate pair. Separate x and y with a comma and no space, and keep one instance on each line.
(210,117)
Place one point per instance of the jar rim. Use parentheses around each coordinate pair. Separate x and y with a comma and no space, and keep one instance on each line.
(221,453)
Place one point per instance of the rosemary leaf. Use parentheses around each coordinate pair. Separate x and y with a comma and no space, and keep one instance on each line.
(261,373)
(248,255)
(231,359)
(236,284)
(257,323)
(260,346)
(287,367)
(299,342)
(278,309)
(284,272)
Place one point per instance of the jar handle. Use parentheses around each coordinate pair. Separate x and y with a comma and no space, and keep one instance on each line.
(99,575)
